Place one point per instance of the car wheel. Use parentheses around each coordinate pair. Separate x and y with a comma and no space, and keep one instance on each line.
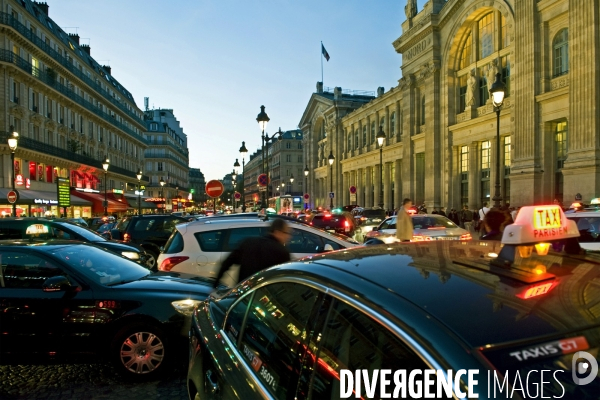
(151,261)
(140,351)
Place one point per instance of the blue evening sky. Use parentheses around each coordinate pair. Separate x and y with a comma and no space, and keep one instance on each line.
(215,62)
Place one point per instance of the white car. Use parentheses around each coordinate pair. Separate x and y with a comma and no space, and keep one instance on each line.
(588,224)
(426,227)
(199,247)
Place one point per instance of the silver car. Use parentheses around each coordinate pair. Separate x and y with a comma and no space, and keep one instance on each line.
(427,227)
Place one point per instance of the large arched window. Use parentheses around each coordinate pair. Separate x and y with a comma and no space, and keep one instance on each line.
(486,35)
(560,46)
(465,56)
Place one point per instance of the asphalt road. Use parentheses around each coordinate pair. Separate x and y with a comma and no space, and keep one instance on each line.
(85,381)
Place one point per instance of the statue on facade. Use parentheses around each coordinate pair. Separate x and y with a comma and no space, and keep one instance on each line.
(492,70)
(471,87)
(411,8)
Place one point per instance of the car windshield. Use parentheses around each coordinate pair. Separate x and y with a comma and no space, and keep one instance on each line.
(332,221)
(432,222)
(123,224)
(370,214)
(589,228)
(99,265)
(86,233)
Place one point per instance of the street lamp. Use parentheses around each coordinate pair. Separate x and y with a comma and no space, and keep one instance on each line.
(262,118)
(380,139)
(292,184)
(497,92)
(243,151)
(234,179)
(162,194)
(331,159)
(13,142)
(139,176)
(305,187)
(105,165)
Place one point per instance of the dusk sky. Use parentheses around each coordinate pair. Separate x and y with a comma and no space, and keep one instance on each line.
(216,62)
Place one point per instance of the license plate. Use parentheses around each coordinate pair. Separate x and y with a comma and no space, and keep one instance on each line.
(447,238)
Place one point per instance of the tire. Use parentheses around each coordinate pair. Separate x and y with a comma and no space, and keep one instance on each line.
(151,261)
(140,351)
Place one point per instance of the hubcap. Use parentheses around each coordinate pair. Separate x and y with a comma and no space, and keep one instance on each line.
(151,261)
(142,352)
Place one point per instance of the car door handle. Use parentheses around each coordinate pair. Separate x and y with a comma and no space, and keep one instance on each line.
(213,386)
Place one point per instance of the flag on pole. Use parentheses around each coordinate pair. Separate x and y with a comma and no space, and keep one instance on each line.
(324,52)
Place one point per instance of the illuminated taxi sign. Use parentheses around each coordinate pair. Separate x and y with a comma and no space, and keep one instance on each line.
(537,290)
(535,224)
(595,201)
(36,229)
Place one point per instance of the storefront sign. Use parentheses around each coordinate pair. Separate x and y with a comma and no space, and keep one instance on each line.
(45,201)
(117,191)
(19,180)
(155,199)
(63,188)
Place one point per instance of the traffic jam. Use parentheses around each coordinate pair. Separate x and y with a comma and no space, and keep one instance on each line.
(346,314)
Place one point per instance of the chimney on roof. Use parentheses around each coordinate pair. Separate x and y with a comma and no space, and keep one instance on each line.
(42,6)
(319,87)
(75,37)
(337,93)
(107,69)
(86,48)
(380,91)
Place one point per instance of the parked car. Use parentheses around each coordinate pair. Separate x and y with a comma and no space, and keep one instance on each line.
(341,223)
(368,215)
(305,329)
(64,299)
(151,232)
(426,227)
(199,247)
(17,228)
(588,224)
(105,229)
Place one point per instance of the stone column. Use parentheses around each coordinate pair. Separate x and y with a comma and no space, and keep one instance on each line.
(474,177)
(398,194)
(377,187)
(345,194)
(368,187)
(581,171)
(433,142)
(360,188)
(387,185)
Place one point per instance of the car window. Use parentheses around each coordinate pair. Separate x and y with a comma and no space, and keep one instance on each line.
(589,229)
(353,340)
(432,221)
(123,224)
(237,235)
(334,245)
(25,271)
(169,224)
(304,242)
(388,224)
(174,244)
(11,231)
(85,233)
(274,335)
(209,241)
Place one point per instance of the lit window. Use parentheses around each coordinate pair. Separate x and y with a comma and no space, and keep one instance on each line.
(486,35)
(561,52)
(485,155)
(465,57)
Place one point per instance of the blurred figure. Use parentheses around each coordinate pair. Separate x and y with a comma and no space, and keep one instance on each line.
(404,225)
(442,212)
(493,223)
(482,213)
(257,253)
(466,219)
(453,216)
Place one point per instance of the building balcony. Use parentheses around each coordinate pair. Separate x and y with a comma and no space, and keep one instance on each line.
(50,80)
(7,19)
(167,157)
(180,150)
(48,149)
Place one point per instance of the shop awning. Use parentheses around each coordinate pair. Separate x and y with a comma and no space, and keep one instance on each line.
(41,198)
(97,200)
(133,203)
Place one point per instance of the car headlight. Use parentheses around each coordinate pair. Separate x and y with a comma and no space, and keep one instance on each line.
(132,255)
(185,307)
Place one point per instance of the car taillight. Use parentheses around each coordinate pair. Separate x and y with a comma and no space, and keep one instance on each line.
(346,226)
(126,237)
(466,236)
(169,263)
(418,238)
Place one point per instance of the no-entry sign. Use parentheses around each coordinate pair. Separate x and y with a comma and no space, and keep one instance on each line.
(352,189)
(12,196)
(263,180)
(237,195)
(214,188)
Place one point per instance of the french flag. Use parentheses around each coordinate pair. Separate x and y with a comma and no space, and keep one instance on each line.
(324,52)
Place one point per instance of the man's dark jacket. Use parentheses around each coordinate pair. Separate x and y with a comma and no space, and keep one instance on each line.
(255,254)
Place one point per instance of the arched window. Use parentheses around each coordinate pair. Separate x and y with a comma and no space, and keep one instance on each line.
(349,139)
(486,35)
(423,110)
(364,135)
(356,139)
(393,124)
(373,132)
(465,56)
(560,45)
(382,125)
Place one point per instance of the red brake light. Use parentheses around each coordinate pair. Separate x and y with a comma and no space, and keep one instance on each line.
(346,226)
(169,263)
(126,237)
(537,290)
(327,216)
(466,236)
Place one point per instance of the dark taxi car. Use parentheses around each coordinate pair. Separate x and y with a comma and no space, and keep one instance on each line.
(341,223)
(17,228)
(64,299)
(523,313)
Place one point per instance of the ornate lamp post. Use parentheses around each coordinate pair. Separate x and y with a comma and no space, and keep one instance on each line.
(305,187)
(497,92)
(243,152)
(105,166)
(13,142)
(162,193)
(262,118)
(380,140)
(331,159)
(139,177)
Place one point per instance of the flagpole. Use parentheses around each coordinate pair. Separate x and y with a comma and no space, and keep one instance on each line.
(322,62)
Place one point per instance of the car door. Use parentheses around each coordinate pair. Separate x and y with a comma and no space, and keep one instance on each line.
(35,321)
(265,342)
(388,227)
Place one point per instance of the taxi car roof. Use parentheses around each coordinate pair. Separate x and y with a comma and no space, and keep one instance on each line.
(452,282)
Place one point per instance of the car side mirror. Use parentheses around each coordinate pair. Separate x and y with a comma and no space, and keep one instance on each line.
(56,284)
(328,247)
(161,248)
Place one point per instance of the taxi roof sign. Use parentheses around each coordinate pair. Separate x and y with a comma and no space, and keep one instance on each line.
(36,229)
(595,201)
(535,224)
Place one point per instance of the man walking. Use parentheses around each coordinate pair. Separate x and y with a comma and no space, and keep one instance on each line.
(466,219)
(404,225)
(257,253)
(482,212)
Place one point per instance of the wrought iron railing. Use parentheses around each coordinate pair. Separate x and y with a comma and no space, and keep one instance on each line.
(168,156)
(7,19)
(180,150)
(50,80)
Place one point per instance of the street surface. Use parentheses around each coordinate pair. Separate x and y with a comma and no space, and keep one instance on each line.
(85,381)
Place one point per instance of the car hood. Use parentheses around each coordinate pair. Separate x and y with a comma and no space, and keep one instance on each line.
(116,246)
(170,282)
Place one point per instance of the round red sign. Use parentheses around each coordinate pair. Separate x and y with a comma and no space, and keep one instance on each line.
(352,189)
(263,180)
(214,188)
(12,197)
(237,195)
(306,196)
